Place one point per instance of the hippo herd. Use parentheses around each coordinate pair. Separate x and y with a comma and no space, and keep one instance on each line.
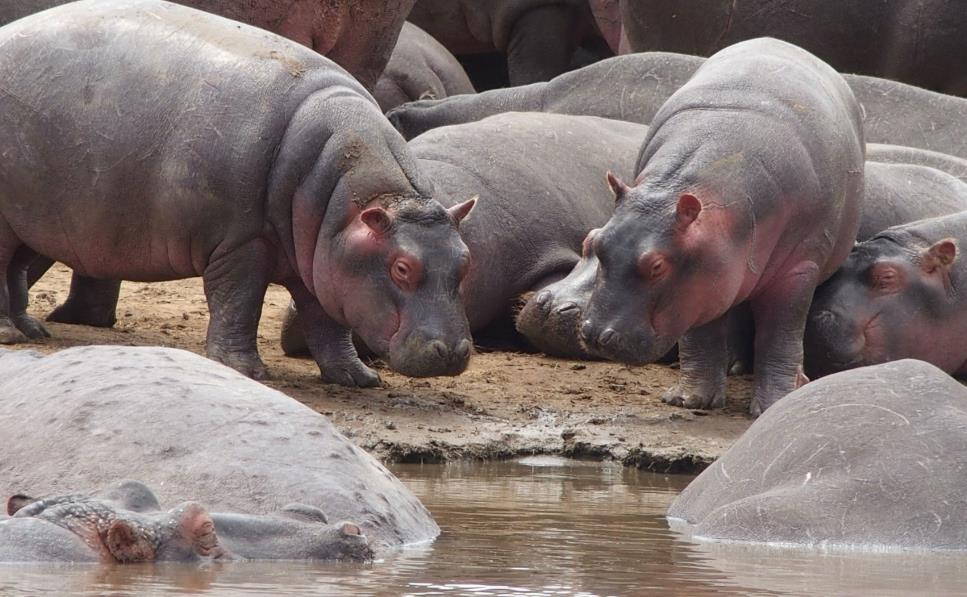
(752,209)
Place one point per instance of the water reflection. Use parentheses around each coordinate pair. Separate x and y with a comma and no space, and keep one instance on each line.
(540,526)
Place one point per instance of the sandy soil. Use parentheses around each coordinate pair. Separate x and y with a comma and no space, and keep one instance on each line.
(506,404)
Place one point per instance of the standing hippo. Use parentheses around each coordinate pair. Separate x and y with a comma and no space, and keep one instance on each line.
(721,214)
(315,192)
(634,87)
(420,68)
(533,211)
(895,297)
(89,416)
(358,35)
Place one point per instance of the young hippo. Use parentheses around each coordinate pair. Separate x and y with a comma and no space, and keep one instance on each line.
(895,297)
(230,153)
(722,213)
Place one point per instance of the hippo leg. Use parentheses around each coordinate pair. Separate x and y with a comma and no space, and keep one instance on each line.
(293,340)
(235,285)
(541,46)
(18,297)
(90,302)
(704,357)
(780,318)
(330,344)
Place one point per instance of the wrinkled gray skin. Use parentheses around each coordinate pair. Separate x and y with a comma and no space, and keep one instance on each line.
(316,192)
(297,532)
(722,215)
(188,427)
(871,458)
(539,37)
(533,212)
(897,296)
(634,87)
(420,68)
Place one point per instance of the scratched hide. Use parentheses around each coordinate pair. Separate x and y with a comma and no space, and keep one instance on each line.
(871,458)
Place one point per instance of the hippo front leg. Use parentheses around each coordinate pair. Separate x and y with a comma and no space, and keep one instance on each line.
(780,318)
(704,359)
(235,285)
(90,302)
(330,344)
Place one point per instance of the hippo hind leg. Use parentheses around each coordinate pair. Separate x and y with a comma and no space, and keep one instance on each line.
(15,325)
(90,302)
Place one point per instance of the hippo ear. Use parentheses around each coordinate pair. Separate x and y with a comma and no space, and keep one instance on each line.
(304,512)
(687,209)
(196,526)
(461,210)
(127,545)
(16,502)
(619,188)
(378,220)
(939,256)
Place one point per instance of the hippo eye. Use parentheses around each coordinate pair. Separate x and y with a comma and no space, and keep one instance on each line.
(653,267)
(884,278)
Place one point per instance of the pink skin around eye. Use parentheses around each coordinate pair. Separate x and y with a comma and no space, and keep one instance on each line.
(406,273)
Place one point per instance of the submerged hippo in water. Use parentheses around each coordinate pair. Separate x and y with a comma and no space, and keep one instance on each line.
(723,215)
(190,428)
(126,524)
(869,459)
(316,192)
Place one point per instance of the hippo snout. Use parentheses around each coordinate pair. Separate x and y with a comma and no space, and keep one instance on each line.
(632,348)
(419,356)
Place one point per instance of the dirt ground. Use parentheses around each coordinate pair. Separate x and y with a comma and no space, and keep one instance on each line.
(505,405)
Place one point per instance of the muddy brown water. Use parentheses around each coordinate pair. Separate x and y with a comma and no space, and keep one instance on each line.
(536,526)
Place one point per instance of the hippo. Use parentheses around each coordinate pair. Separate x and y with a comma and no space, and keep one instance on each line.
(914,42)
(895,297)
(420,68)
(538,37)
(721,215)
(36,540)
(87,417)
(316,192)
(126,524)
(532,214)
(635,86)
(870,458)
(358,35)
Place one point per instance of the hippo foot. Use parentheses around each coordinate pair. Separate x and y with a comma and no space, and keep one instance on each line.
(353,375)
(677,395)
(9,334)
(74,314)
(31,327)
(247,364)
(760,403)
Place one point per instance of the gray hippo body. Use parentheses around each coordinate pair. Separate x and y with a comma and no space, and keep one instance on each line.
(866,459)
(88,417)
(540,178)
(635,86)
(420,68)
(148,175)
(36,540)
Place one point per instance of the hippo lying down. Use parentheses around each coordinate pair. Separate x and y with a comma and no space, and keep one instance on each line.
(126,524)
(871,458)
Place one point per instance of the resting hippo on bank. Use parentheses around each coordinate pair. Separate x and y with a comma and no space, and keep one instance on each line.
(188,428)
(126,524)
(722,215)
(634,87)
(358,35)
(541,183)
(315,192)
(420,68)
(870,458)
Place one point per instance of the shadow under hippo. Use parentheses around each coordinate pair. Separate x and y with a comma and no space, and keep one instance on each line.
(190,428)
(868,459)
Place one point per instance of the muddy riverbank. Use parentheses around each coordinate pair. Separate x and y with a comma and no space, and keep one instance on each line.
(505,405)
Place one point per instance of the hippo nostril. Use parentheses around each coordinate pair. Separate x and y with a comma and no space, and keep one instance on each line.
(462,351)
(587,330)
(607,336)
(566,308)
(440,348)
(543,298)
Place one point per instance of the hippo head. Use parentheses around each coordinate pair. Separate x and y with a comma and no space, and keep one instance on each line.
(393,275)
(886,302)
(665,266)
(551,317)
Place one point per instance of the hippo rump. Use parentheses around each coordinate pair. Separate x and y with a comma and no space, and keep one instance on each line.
(721,215)
(420,68)
(911,41)
(538,37)
(634,87)
(316,192)
(125,524)
(895,297)
(540,178)
(870,458)
(88,417)
(358,35)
